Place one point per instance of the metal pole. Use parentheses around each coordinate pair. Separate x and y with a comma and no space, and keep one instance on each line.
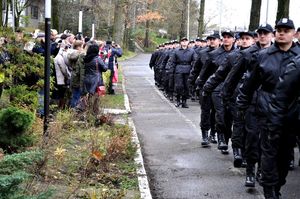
(13,15)
(80,22)
(93,31)
(267,12)
(188,21)
(47,64)
(220,20)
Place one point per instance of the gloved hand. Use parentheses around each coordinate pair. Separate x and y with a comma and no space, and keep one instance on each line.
(204,93)
(274,138)
(241,114)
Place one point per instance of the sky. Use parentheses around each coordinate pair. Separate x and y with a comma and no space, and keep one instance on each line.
(237,12)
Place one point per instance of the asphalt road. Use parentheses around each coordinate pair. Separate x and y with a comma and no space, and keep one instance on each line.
(176,164)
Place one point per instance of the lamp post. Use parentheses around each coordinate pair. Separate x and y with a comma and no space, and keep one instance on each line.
(188,21)
(93,31)
(267,11)
(47,64)
(80,23)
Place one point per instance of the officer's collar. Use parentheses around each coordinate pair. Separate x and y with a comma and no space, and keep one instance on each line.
(274,48)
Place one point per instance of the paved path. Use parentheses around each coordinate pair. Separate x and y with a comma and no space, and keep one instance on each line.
(176,165)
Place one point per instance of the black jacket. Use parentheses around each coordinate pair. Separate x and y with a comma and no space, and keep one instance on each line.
(235,76)
(201,59)
(235,57)
(270,64)
(153,59)
(182,60)
(216,58)
(285,101)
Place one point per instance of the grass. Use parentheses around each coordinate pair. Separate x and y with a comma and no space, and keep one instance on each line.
(126,55)
(85,160)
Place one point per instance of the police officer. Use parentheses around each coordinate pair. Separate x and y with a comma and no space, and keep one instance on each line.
(207,115)
(170,73)
(267,68)
(216,58)
(283,120)
(215,82)
(181,61)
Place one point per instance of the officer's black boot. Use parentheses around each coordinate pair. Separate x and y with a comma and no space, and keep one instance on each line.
(277,192)
(184,105)
(237,157)
(212,137)
(171,97)
(221,142)
(205,142)
(250,179)
(269,192)
(178,103)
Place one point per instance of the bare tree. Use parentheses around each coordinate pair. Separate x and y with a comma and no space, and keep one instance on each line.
(20,6)
(255,14)
(118,28)
(282,9)
(201,18)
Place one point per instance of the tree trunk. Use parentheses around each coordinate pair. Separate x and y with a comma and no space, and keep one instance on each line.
(255,14)
(183,20)
(146,41)
(7,13)
(282,9)
(128,41)
(201,19)
(55,16)
(1,14)
(118,28)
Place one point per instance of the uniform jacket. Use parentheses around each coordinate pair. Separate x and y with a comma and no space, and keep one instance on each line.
(201,59)
(269,65)
(236,74)
(284,106)
(216,58)
(182,60)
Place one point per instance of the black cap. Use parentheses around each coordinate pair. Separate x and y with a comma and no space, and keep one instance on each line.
(214,36)
(175,42)
(265,27)
(184,39)
(249,33)
(285,23)
(228,32)
(108,42)
(298,30)
(192,41)
(198,39)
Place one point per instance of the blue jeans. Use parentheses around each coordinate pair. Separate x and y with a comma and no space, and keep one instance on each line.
(76,93)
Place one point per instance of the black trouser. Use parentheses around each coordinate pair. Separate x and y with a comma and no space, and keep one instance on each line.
(238,128)
(110,84)
(252,137)
(171,83)
(181,85)
(207,116)
(223,116)
(275,156)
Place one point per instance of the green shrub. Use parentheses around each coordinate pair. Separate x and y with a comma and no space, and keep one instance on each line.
(20,161)
(15,170)
(9,184)
(21,96)
(13,124)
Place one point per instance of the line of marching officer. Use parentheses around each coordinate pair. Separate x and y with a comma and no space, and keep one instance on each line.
(248,90)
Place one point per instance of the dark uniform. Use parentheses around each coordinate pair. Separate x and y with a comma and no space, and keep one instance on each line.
(181,62)
(217,58)
(270,64)
(283,123)
(152,64)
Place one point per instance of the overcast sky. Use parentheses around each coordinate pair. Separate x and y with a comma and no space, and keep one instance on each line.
(237,12)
